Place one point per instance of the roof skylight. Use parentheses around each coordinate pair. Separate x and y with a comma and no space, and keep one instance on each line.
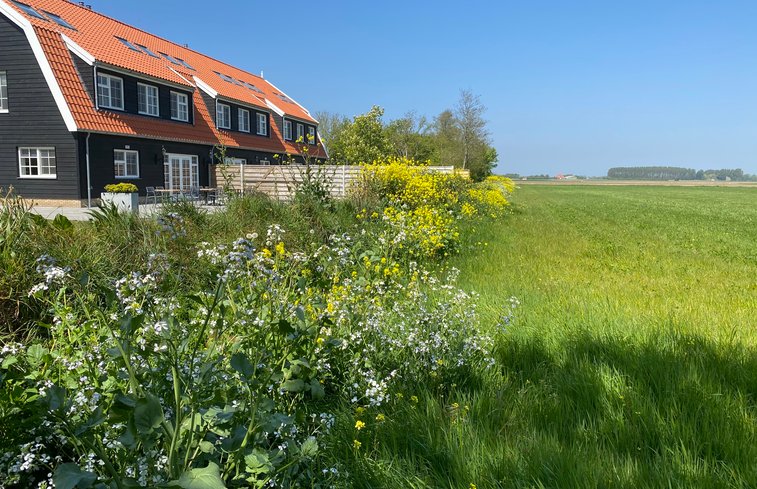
(29,10)
(225,78)
(128,44)
(170,58)
(59,20)
(148,51)
(252,87)
(284,98)
(186,65)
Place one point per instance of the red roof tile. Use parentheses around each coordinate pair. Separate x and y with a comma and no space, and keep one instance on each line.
(97,34)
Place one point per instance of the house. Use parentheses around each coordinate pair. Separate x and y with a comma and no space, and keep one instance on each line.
(86,100)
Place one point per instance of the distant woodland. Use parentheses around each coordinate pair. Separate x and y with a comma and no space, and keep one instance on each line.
(676,173)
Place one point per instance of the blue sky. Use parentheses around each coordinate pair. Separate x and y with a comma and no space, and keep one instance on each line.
(572,87)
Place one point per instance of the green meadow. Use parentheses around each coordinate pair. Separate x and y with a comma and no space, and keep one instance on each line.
(630,361)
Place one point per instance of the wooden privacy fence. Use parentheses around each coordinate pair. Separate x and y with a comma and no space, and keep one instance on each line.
(280,181)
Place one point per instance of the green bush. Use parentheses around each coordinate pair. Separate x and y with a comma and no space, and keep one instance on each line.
(121,188)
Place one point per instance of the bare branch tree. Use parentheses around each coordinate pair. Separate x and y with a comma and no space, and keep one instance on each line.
(469,113)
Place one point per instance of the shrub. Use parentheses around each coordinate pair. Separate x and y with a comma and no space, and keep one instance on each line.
(121,188)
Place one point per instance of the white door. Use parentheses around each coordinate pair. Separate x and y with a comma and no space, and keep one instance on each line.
(181,172)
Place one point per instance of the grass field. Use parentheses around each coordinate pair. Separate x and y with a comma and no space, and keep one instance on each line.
(632,360)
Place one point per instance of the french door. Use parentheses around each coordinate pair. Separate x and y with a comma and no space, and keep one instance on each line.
(182,172)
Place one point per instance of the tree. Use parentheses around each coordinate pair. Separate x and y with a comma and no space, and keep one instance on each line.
(362,140)
(469,113)
(411,137)
(331,127)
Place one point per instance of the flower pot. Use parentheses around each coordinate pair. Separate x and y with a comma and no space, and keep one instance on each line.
(124,202)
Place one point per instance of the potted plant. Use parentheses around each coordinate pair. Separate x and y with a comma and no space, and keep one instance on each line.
(124,196)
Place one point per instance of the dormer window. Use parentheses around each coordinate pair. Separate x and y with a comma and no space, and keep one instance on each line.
(244,120)
(311,135)
(300,132)
(223,116)
(262,125)
(148,99)
(179,106)
(288,130)
(110,92)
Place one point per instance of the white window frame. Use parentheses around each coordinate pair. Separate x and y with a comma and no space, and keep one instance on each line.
(3,92)
(120,159)
(311,132)
(101,100)
(287,130)
(244,123)
(223,114)
(147,105)
(235,161)
(179,96)
(262,125)
(301,132)
(38,156)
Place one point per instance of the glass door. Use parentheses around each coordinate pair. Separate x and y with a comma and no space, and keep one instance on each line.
(181,172)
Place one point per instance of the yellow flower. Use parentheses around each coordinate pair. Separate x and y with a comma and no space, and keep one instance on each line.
(280,248)
(414,399)
(356,444)
(359,411)
(359,425)
(267,253)
(380,418)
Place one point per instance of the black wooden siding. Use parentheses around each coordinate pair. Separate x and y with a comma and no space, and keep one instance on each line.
(33,120)
(131,96)
(102,168)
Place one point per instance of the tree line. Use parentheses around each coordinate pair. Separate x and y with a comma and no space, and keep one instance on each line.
(456,137)
(677,173)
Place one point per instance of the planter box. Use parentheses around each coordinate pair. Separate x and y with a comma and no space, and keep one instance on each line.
(124,202)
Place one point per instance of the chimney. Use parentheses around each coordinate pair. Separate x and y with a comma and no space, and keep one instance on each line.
(261,74)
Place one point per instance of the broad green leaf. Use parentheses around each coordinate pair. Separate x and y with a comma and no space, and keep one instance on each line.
(317,390)
(241,364)
(70,476)
(35,354)
(300,313)
(148,414)
(309,447)
(62,223)
(294,385)
(207,447)
(258,462)
(207,478)
(56,396)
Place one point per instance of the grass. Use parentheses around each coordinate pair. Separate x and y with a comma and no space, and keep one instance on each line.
(632,359)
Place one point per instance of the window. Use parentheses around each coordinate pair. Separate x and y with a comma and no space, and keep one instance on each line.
(244,120)
(223,116)
(300,133)
(148,99)
(185,64)
(59,20)
(262,125)
(179,107)
(288,130)
(170,58)
(37,162)
(126,163)
(110,92)
(311,135)
(128,44)
(148,51)
(252,87)
(234,161)
(3,92)
(28,10)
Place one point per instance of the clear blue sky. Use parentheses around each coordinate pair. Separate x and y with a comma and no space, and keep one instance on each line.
(572,87)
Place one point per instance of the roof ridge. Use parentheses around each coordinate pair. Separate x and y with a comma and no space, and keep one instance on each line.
(181,46)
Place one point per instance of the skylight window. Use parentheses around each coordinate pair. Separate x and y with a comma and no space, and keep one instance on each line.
(252,87)
(148,51)
(284,97)
(29,10)
(59,20)
(128,44)
(170,58)
(225,78)
(186,65)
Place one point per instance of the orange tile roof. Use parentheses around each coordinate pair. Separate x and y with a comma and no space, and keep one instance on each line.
(97,34)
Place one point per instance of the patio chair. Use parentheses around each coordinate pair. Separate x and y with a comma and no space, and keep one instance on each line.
(150,194)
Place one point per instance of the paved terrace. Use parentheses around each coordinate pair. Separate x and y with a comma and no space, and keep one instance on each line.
(82,214)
